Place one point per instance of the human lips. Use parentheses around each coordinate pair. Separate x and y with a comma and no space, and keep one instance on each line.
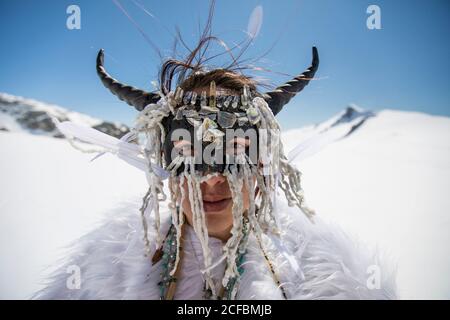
(214,204)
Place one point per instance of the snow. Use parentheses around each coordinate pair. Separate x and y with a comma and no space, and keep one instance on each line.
(51,195)
(19,114)
(386,183)
(9,123)
(51,109)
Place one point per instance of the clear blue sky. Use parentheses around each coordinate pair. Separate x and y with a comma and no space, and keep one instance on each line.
(405,65)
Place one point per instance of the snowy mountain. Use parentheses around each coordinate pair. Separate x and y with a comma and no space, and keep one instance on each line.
(313,138)
(352,114)
(351,118)
(387,184)
(383,177)
(20,114)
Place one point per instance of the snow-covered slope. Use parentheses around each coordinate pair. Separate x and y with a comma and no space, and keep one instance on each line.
(339,126)
(18,114)
(50,195)
(388,183)
(305,142)
(385,181)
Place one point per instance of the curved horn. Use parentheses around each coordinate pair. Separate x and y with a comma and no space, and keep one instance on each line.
(131,95)
(280,96)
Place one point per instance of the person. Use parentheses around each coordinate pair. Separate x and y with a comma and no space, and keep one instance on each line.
(220,227)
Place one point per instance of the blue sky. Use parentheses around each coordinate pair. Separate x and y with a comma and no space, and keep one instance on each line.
(405,65)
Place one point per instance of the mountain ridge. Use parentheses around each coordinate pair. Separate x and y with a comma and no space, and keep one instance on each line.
(19,114)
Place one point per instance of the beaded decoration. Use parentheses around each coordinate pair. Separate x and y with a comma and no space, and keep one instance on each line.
(168,282)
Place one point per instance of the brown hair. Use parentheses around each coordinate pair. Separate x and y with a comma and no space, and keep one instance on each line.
(224,79)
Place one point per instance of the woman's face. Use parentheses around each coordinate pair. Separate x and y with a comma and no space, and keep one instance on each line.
(217,204)
(217,197)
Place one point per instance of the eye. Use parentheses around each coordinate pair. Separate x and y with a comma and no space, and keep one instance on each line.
(184,148)
(237,146)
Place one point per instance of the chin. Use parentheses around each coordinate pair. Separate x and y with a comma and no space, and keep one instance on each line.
(216,216)
(219,221)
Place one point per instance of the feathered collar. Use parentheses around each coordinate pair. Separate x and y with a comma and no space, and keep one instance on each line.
(312,261)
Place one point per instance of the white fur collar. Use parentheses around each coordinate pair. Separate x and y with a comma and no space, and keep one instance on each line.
(320,262)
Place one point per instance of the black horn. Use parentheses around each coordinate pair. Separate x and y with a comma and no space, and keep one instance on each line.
(283,94)
(131,95)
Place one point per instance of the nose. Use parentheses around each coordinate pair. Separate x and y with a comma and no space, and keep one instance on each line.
(211,182)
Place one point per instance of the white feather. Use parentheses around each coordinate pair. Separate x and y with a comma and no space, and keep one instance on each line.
(129,152)
(255,22)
